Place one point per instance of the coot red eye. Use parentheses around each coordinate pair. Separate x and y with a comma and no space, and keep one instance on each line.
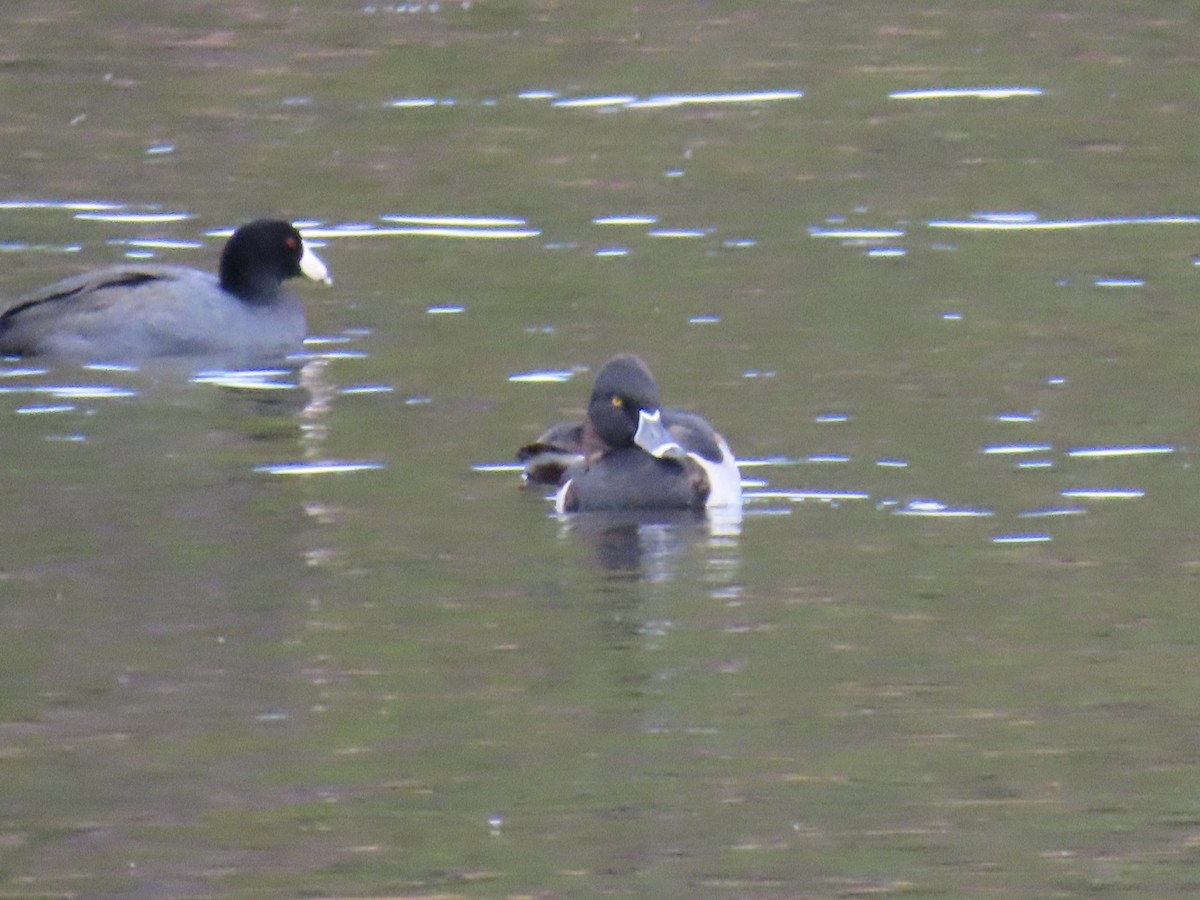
(292,243)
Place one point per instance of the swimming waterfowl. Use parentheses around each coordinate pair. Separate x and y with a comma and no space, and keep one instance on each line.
(630,454)
(132,311)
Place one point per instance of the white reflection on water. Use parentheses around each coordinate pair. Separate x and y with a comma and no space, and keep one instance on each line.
(320,467)
(939,510)
(1023,223)
(625,220)
(668,100)
(413,102)
(856,234)
(1108,452)
(1021,539)
(471,227)
(986,93)
(663,101)
(328,354)
(247,379)
(678,232)
(551,376)
(422,231)
(1010,449)
(1052,512)
(75,205)
(456,221)
(326,340)
(135,218)
(44,409)
(589,102)
(71,391)
(21,247)
(155,244)
(21,372)
(1104,493)
(1005,216)
(768,461)
(801,496)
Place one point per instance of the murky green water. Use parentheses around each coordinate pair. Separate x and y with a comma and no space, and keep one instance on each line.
(946,653)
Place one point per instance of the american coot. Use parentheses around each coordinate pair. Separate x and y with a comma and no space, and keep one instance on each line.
(629,454)
(132,311)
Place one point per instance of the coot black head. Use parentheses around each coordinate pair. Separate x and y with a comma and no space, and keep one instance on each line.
(261,255)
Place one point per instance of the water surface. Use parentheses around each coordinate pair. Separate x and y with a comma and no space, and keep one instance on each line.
(300,631)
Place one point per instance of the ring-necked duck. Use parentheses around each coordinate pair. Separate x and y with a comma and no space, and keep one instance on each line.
(629,454)
(132,311)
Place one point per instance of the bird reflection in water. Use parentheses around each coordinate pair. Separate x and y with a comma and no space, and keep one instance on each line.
(648,546)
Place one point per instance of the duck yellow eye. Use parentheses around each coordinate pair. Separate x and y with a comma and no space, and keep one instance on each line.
(617,402)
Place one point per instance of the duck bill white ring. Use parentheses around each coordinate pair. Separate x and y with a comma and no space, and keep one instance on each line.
(654,438)
(312,267)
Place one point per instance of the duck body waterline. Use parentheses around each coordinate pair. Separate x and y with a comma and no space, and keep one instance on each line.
(629,454)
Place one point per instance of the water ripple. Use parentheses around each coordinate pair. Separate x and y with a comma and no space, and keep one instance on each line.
(1110,452)
(322,467)
(456,221)
(552,376)
(1052,512)
(939,510)
(43,409)
(800,496)
(1104,493)
(664,101)
(625,220)
(447,231)
(987,93)
(1120,282)
(75,205)
(667,100)
(856,234)
(136,218)
(1021,539)
(1010,449)
(1026,224)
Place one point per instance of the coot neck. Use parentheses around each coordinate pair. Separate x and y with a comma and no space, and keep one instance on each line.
(252,286)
